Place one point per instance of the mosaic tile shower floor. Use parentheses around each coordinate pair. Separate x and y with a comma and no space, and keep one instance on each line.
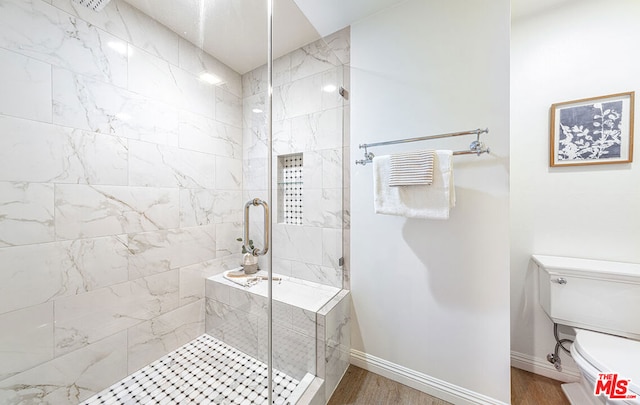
(204,371)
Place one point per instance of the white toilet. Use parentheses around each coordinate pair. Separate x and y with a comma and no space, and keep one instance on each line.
(601,300)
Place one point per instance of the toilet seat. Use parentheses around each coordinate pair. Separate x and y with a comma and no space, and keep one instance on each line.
(608,354)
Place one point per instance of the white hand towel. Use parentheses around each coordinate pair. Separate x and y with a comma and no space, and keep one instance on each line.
(427,202)
(411,168)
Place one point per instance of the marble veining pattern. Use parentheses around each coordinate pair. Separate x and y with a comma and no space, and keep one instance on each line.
(122,181)
(310,117)
(28,77)
(32,151)
(92,105)
(41,31)
(71,378)
(27,213)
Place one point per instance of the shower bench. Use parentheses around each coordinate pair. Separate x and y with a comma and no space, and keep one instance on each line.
(311,330)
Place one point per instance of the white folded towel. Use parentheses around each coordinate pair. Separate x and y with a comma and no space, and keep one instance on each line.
(427,202)
(411,168)
(245,280)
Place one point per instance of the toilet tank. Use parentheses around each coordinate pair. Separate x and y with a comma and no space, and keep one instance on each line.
(591,294)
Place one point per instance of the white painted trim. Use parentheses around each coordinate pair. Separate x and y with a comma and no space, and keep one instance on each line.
(543,367)
(422,382)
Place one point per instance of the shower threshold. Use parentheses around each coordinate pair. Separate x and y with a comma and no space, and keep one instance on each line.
(204,371)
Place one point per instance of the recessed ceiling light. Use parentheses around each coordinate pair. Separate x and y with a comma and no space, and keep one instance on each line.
(257,110)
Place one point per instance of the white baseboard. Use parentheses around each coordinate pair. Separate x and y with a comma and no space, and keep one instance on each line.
(422,382)
(543,367)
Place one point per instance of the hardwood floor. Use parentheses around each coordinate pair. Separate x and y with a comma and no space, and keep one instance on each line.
(532,389)
(360,387)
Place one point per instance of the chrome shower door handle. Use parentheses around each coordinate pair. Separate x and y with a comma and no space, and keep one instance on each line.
(267,223)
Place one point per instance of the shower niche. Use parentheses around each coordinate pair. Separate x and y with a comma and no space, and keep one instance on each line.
(290,189)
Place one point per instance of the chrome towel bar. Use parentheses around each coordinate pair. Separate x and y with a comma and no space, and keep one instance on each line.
(476,147)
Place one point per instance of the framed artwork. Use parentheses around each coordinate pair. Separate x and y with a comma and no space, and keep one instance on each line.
(597,130)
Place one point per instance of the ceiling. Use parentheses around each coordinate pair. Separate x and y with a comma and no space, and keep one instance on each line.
(234,31)
(524,8)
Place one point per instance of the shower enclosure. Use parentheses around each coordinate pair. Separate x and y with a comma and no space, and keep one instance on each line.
(131,138)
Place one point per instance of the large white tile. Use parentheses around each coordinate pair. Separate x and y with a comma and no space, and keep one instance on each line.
(319,130)
(26,213)
(227,234)
(128,23)
(87,211)
(196,61)
(26,87)
(323,207)
(332,80)
(157,79)
(152,339)
(254,82)
(332,166)
(38,152)
(203,134)
(236,328)
(293,352)
(193,281)
(85,103)
(228,174)
(41,31)
(38,273)
(197,207)
(317,273)
(72,378)
(299,243)
(337,340)
(228,206)
(331,247)
(203,207)
(159,251)
(27,339)
(153,77)
(297,98)
(87,318)
(340,44)
(198,95)
(228,108)
(311,59)
(166,166)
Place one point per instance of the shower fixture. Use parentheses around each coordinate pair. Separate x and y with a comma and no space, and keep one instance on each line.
(95,5)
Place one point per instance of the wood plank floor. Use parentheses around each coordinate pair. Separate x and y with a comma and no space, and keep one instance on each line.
(532,389)
(360,387)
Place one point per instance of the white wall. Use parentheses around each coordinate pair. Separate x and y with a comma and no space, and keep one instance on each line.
(432,296)
(582,49)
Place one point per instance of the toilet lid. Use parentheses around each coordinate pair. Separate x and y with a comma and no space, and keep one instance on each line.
(611,354)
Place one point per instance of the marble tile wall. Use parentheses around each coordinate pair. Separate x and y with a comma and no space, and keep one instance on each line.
(304,341)
(309,118)
(120,192)
(333,328)
(239,318)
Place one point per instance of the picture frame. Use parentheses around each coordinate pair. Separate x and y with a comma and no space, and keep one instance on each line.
(592,131)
